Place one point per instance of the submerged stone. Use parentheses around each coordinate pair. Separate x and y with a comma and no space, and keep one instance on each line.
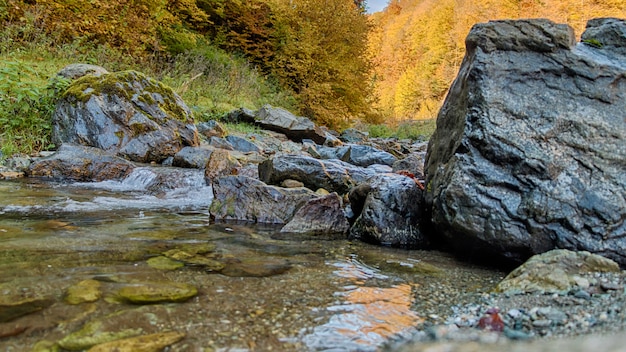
(157,292)
(95,333)
(164,263)
(256,267)
(83,292)
(13,306)
(145,343)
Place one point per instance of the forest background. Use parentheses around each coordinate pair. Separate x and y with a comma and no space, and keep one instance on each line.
(325,59)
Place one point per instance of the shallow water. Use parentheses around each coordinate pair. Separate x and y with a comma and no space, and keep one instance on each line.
(269,293)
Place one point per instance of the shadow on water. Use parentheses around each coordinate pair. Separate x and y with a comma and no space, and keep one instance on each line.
(255,290)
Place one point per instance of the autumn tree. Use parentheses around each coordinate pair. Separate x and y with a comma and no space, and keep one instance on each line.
(320,55)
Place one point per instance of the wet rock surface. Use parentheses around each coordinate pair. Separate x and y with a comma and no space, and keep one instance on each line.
(246,199)
(156,292)
(81,163)
(323,216)
(533,159)
(387,208)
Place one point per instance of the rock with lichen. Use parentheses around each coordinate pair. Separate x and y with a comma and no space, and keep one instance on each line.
(124,113)
(555,271)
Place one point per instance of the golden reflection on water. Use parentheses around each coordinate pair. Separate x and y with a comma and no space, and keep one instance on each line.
(367,315)
(384,311)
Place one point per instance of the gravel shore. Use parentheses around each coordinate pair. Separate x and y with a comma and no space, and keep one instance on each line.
(592,315)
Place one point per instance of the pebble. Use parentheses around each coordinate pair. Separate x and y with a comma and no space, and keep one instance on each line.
(582,294)
(542,323)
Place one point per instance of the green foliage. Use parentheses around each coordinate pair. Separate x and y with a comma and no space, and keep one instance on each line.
(241,128)
(593,42)
(414,130)
(213,83)
(26,108)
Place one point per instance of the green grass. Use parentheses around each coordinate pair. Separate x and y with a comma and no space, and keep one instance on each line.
(211,81)
(414,130)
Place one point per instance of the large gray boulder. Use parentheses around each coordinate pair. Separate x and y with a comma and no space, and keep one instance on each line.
(125,113)
(387,207)
(530,148)
(243,198)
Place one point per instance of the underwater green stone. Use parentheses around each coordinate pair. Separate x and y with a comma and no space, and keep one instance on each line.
(157,292)
(164,263)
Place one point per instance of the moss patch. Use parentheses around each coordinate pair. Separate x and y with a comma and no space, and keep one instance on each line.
(133,87)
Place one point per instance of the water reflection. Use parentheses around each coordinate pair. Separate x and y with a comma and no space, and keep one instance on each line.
(367,315)
(269,293)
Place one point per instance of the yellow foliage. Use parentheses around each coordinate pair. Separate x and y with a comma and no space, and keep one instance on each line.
(416,46)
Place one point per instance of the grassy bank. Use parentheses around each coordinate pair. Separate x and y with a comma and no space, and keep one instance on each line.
(211,81)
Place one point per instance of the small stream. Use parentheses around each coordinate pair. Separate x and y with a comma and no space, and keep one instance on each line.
(258,290)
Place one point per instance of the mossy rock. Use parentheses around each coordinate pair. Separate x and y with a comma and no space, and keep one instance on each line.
(84,291)
(164,263)
(12,306)
(145,343)
(121,84)
(157,292)
(94,333)
(554,271)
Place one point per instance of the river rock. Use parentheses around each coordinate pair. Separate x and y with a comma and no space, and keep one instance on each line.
(554,271)
(256,267)
(294,127)
(164,263)
(363,155)
(332,175)
(193,157)
(413,163)
(220,143)
(530,148)
(220,163)
(241,115)
(608,35)
(242,145)
(124,113)
(387,208)
(211,129)
(145,343)
(13,306)
(352,135)
(81,163)
(359,155)
(247,199)
(75,71)
(320,216)
(157,292)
